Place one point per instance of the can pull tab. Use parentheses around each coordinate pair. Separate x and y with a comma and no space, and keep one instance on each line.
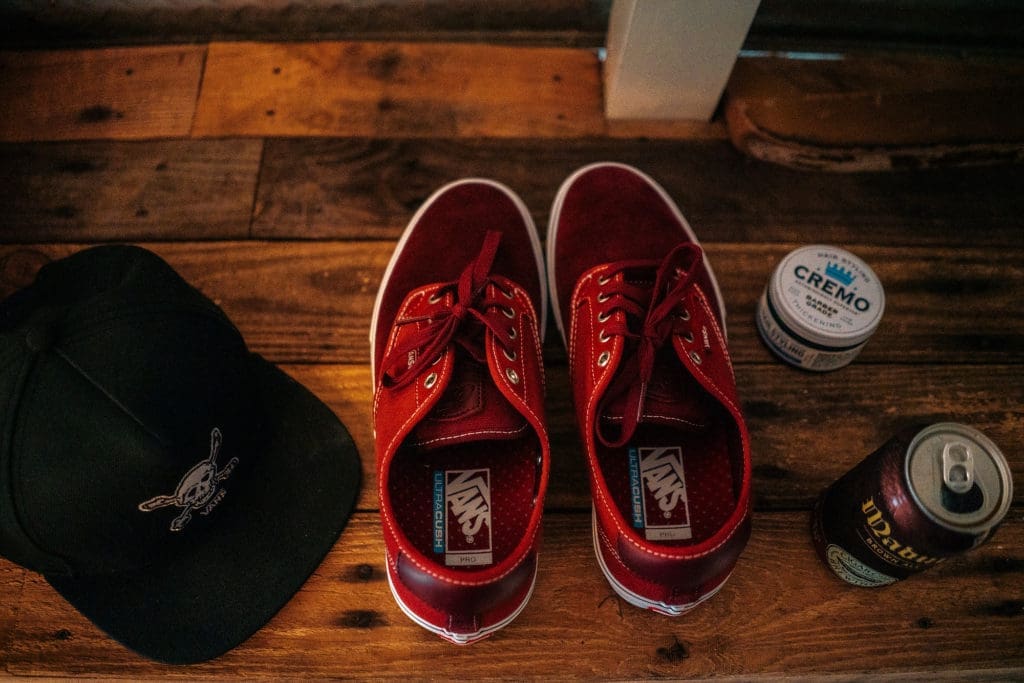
(957,467)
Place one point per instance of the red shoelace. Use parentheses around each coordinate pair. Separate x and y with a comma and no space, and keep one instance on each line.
(652,316)
(472,311)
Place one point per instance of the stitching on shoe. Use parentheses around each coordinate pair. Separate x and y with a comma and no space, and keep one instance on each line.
(386,517)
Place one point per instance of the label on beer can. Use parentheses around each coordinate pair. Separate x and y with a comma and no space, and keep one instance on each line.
(852,570)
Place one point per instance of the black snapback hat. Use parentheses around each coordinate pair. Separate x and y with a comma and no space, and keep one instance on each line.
(172,486)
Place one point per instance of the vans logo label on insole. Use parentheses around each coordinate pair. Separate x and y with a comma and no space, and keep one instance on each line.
(658,493)
(466,523)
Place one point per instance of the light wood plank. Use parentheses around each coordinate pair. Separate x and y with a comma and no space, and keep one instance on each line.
(12,578)
(312,301)
(781,614)
(176,190)
(356,188)
(397,89)
(114,93)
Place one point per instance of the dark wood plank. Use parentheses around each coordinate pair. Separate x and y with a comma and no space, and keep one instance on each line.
(781,614)
(806,429)
(355,188)
(920,24)
(312,301)
(877,112)
(175,190)
(118,93)
(120,22)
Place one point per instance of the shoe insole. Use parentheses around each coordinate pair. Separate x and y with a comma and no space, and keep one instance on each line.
(466,506)
(674,488)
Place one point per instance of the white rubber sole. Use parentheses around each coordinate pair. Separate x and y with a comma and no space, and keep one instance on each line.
(638,600)
(556,210)
(461,638)
(534,241)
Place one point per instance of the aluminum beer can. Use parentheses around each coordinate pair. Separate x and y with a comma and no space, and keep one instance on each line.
(926,494)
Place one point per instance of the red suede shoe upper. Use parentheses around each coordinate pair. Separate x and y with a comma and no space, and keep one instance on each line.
(459,396)
(651,377)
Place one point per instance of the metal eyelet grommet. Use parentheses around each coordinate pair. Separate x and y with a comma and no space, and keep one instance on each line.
(511,355)
(602,297)
(434,298)
(509,313)
(688,337)
(508,295)
(695,357)
(685,315)
(512,375)
(603,359)
(430,380)
(604,337)
(512,334)
(603,317)
(604,279)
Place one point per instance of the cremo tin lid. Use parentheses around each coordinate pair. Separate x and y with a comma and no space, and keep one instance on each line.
(959,477)
(827,296)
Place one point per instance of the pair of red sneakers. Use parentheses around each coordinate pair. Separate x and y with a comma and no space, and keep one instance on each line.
(462,444)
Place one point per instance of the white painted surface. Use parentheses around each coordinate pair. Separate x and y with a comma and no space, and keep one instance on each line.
(670,59)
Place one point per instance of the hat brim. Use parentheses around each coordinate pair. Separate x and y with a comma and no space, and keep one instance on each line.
(298,496)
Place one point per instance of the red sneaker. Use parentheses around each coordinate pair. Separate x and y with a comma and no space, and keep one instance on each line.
(462,446)
(665,441)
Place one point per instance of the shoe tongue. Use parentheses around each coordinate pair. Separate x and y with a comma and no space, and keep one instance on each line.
(471,409)
(674,397)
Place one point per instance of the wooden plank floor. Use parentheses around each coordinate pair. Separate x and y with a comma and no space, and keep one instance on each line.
(287,221)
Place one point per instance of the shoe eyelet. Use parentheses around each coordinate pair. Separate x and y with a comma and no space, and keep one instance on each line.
(434,298)
(512,375)
(688,337)
(604,337)
(508,295)
(602,297)
(604,279)
(685,315)
(511,355)
(695,357)
(430,380)
(508,312)
(603,359)
(603,317)
(512,333)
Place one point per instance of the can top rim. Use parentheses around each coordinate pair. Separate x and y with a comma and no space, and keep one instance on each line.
(920,472)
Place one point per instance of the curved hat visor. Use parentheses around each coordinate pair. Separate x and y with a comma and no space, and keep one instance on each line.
(297,497)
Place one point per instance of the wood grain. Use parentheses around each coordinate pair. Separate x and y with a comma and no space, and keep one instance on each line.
(527,22)
(102,190)
(312,301)
(12,578)
(781,613)
(877,112)
(806,429)
(403,89)
(370,187)
(114,93)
